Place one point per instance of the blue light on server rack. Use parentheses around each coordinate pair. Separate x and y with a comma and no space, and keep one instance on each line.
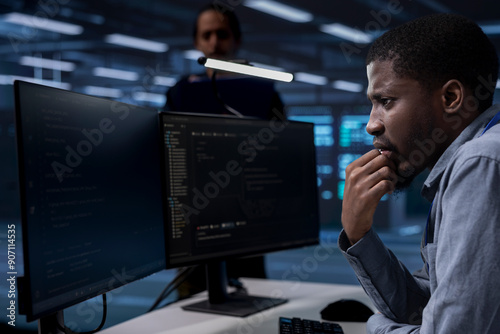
(327,194)
(340,190)
(323,130)
(324,169)
(343,161)
(352,131)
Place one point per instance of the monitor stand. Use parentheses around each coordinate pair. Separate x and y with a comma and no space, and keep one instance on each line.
(49,324)
(233,304)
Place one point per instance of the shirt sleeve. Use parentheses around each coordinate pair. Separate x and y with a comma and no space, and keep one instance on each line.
(380,324)
(397,294)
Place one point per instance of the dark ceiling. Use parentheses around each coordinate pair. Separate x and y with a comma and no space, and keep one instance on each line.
(293,47)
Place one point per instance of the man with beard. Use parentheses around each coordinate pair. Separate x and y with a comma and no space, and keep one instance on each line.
(431,84)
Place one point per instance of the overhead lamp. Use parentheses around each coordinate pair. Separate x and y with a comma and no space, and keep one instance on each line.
(164,81)
(311,78)
(103,91)
(47,63)
(280,10)
(193,54)
(158,99)
(9,80)
(245,69)
(347,33)
(347,86)
(43,23)
(498,84)
(136,43)
(115,74)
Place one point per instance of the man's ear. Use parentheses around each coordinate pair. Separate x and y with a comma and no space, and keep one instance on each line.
(452,96)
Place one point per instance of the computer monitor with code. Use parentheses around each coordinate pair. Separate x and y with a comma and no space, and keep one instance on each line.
(236,187)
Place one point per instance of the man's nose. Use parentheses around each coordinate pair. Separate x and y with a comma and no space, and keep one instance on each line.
(375,125)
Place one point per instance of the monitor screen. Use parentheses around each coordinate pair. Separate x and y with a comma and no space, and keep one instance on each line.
(90,181)
(237,187)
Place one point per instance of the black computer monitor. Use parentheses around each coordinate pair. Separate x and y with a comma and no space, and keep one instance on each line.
(90,182)
(236,187)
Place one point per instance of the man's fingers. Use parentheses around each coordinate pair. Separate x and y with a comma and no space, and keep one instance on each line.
(366,158)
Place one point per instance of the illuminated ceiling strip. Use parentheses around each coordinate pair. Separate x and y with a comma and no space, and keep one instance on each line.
(311,78)
(47,63)
(103,91)
(280,10)
(9,80)
(136,43)
(115,74)
(347,86)
(498,84)
(345,32)
(40,22)
(246,69)
(192,54)
(149,97)
(164,81)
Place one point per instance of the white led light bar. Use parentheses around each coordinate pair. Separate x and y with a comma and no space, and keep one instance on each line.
(347,86)
(136,43)
(115,74)
(47,63)
(280,10)
(6,79)
(149,97)
(103,91)
(345,32)
(311,78)
(245,69)
(43,23)
(164,81)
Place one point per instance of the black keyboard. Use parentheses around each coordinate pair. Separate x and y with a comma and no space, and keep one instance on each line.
(304,326)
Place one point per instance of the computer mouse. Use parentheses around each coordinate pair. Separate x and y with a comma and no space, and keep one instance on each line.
(346,310)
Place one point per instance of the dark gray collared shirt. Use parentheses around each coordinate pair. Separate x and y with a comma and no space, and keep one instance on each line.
(457,290)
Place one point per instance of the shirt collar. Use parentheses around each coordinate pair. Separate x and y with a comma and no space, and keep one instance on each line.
(473,130)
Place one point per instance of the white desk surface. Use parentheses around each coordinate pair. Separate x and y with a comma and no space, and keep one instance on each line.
(305,300)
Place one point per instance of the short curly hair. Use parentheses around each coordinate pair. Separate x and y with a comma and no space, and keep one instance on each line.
(439,47)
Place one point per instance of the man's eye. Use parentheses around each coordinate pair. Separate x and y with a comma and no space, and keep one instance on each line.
(385,102)
(222,34)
